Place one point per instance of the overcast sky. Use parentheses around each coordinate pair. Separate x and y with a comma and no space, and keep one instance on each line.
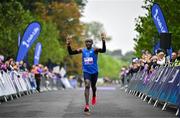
(118,18)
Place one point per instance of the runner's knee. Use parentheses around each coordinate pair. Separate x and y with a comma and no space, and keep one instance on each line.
(93,85)
(87,84)
(87,87)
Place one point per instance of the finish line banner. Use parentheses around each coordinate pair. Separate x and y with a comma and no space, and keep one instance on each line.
(37,54)
(30,35)
(158,18)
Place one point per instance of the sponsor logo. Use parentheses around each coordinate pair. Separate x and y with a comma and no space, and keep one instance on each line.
(156,17)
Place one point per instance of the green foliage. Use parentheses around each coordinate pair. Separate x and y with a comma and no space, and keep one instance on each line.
(57,19)
(109,66)
(51,48)
(13,20)
(127,57)
(17,14)
(116,53)
(93,31)
(66,16)
(30,4)
(146,27)
(81,3)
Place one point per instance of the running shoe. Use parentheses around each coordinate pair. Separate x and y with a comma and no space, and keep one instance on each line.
(93,101)
(86,109)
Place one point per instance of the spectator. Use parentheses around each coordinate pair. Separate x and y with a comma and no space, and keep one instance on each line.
(178,55)
(22,66)
(174,56)
(2,65)
(177,61)
(37,74)
(1,57)
(161,58)
(135,66)
(142,64)
(153,63)
(46,76)
(123,75)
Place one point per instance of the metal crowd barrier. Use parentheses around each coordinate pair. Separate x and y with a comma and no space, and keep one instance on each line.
(15,84)
(162,86)
(53,83)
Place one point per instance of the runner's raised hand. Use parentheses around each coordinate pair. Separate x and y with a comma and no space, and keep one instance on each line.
(68,40)
(103,36)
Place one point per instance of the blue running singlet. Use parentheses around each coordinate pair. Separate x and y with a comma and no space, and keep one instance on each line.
(89,61)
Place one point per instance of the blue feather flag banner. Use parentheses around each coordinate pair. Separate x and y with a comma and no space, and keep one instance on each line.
(30,35)
(158,18)
(37,53)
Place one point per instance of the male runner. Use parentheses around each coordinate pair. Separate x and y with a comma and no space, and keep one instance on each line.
(89,66)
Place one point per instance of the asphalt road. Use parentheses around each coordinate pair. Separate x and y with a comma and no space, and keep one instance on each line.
(111,103)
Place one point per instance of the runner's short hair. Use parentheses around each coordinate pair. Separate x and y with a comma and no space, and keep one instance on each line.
(89,40)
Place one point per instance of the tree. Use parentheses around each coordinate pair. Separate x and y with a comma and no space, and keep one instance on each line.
(93,31)
(147,30)
(127,57)
(51,48)
(13,20)
(66,15)
(30,4)
(57,17)
(115,53)
(109,66)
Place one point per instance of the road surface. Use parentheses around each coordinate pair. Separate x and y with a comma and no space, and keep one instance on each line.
(112,102)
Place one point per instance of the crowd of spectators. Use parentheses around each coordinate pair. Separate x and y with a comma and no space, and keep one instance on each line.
(38,71)
(149,62)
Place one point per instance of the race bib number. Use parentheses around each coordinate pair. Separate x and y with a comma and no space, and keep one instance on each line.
(88,60)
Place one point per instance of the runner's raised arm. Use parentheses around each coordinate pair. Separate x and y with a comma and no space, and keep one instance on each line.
(70,51)
(103,49)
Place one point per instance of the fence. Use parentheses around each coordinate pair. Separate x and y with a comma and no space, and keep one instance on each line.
(161,86)
(15,84)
